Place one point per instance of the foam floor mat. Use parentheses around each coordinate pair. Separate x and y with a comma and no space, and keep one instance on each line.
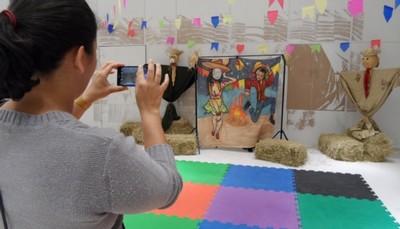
(222,196)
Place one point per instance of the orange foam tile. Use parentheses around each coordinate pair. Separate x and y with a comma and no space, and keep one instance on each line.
(193,201)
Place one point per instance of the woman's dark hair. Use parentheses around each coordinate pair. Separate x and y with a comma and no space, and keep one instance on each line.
(44,32)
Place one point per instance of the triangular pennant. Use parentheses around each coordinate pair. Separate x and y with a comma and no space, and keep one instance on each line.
(272,16)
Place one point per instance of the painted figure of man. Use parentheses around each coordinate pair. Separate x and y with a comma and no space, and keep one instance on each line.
(264,78)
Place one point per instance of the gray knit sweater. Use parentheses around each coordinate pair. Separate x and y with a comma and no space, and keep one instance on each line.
(56,172)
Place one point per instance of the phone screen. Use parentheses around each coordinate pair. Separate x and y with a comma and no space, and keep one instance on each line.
(126,76)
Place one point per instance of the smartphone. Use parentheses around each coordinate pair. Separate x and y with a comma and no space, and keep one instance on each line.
(126,75)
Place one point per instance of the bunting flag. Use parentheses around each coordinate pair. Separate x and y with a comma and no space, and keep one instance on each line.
(161,24)
(144,25)
(231,2)
(124,3)
(131,32)
(396,4)
(316,48)
(321,5)
(376,43)
(111,28)
(289,49)
(263,49)
(215,46)
(388,12)
(227,19)
(308,11)
(272,16)
(344,46)
(191,43)
(197,22)
(178,23)
(281,2)
(240,48)
(355,7)
(119,6)
(215,21)
(170,40)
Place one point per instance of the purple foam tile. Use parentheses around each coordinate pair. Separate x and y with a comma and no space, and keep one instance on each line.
(254,208)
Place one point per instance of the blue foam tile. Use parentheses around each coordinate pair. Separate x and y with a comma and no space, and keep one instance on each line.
(265,178)
(218,225)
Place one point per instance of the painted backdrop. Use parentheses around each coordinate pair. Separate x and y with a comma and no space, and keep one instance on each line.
(237,100)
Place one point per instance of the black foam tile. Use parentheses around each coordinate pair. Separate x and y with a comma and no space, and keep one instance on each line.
(333,184)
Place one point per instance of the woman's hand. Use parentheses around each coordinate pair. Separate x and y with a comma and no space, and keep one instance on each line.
(149,94)
(148,90)
(100,87)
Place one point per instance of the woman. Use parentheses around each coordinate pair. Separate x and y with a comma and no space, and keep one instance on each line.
(217,81)
(56,172)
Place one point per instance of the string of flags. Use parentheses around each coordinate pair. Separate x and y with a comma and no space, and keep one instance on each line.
(354,7)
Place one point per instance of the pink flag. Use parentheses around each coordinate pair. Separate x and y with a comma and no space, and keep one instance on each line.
(272,16)
(240,48)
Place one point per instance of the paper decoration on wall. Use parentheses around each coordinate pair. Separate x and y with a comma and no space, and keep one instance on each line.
(119,6)
(131,32)
(227,19)
(272,16)
(240,48)
(355,7)
(197,22)
(321,5)
(263,49)
(281,2)
(161,24)
(289,49)
(215,21)
(170,40)
(387,12)
(308,11)
(231,2)
(396,4)
(191,43)
(178,23)
(344,46)
(124,3)
(215,46)
(315,48)
(144,25)
(236,100)
(375,43)
(111,28)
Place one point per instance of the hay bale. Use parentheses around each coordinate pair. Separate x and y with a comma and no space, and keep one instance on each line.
(181,126)
(345,148)
(183,144)
(133,129)
(377,148)
(178,136)
(341,147)
(280,151)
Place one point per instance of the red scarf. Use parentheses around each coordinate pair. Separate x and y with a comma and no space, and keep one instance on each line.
(367,80)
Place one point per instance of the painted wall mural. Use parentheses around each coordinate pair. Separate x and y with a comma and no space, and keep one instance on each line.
(236,99)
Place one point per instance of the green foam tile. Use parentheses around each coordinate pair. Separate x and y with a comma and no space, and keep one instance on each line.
(318,211)
(152,221)
(202,172)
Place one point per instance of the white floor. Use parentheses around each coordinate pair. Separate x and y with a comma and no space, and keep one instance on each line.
(382,177)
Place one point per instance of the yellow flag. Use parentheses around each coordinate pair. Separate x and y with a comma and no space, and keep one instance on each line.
(227,19)
(178,23)
(321,5)
(308,11)
(263,49)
